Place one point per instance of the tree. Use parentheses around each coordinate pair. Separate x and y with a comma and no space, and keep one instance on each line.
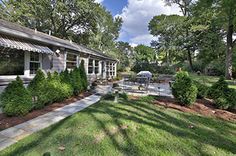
(169,30)
(144,54)
(125,55)
(224,16)
(185,7)
(82,21)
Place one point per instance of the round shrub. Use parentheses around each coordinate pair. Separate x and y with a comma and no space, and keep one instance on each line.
(231,98)
(218,89)
(202,90)
(223,96)
(16,99)
(222,103)
(184,89)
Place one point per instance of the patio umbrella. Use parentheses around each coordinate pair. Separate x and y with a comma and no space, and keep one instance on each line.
(147,74)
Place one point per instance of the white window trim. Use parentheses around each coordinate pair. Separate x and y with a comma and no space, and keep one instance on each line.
(40,63)
(26,68)
(77,59)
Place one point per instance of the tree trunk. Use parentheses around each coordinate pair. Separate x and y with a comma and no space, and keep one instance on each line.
(229,52)
(189,52)
(190,59)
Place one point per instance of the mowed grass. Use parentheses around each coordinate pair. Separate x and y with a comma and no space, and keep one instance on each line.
(131,127)
(209,80)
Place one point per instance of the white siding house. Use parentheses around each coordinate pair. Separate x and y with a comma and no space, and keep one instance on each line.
(23,51)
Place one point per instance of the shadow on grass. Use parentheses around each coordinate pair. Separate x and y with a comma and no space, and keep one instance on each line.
(20,148)
(158,119)
(145,114)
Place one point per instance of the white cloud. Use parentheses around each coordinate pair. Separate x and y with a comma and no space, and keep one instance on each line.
(99,1)
(136,16)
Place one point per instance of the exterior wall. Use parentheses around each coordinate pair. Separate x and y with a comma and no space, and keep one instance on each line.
(47,63)
(59,62)
(51,63)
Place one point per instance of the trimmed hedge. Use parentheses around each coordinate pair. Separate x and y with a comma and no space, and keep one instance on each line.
(184,89)
(16,99)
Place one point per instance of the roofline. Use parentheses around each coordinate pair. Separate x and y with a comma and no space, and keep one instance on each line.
(34,37)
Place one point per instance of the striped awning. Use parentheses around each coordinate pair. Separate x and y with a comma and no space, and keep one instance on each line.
(20,44)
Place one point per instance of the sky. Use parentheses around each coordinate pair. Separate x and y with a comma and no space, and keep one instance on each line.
(136,15)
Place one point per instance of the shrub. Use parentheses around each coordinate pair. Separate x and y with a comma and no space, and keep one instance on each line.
(184,89)
(37,80)
(83,76)
(114,85)
(16,99)
(48,91)
(202,90)
(124,96)
(222,103)
(56,91)
(36,87)
(76,81)
(109,96)
(223,96)
(65,77)
(218,89)
(231,98)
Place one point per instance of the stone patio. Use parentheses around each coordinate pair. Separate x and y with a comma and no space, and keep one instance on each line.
(12,135)
(157,89)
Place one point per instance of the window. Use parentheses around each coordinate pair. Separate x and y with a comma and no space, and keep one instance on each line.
(71,61)
(12,62)
(90,66)
(96,66)
(34,62)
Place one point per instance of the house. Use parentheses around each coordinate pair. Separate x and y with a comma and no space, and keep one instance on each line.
(23,51)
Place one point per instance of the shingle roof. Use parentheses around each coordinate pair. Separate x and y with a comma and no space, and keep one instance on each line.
(16,30)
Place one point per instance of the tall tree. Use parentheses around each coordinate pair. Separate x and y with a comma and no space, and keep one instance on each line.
(225,17)
(169,29)
(185,6)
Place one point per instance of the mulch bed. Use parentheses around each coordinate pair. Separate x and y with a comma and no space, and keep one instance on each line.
(6,122)
(202,106)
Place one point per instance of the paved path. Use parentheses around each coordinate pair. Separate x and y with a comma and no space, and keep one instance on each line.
(14,134)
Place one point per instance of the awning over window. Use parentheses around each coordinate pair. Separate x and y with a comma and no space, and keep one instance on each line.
(14,43)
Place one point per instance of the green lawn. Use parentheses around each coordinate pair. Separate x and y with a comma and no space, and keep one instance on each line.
(209,80)
(131,128)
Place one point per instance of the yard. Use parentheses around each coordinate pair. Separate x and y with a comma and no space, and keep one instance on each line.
(209,80)
(131,127)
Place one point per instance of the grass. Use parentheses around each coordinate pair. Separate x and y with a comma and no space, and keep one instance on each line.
(209,80)
(131,127)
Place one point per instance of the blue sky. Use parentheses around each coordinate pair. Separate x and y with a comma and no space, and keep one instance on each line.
(136,15)
(115,6)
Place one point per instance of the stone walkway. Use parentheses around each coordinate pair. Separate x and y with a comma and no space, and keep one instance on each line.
(14,134)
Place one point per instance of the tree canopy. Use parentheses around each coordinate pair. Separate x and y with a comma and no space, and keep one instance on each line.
(67,19)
